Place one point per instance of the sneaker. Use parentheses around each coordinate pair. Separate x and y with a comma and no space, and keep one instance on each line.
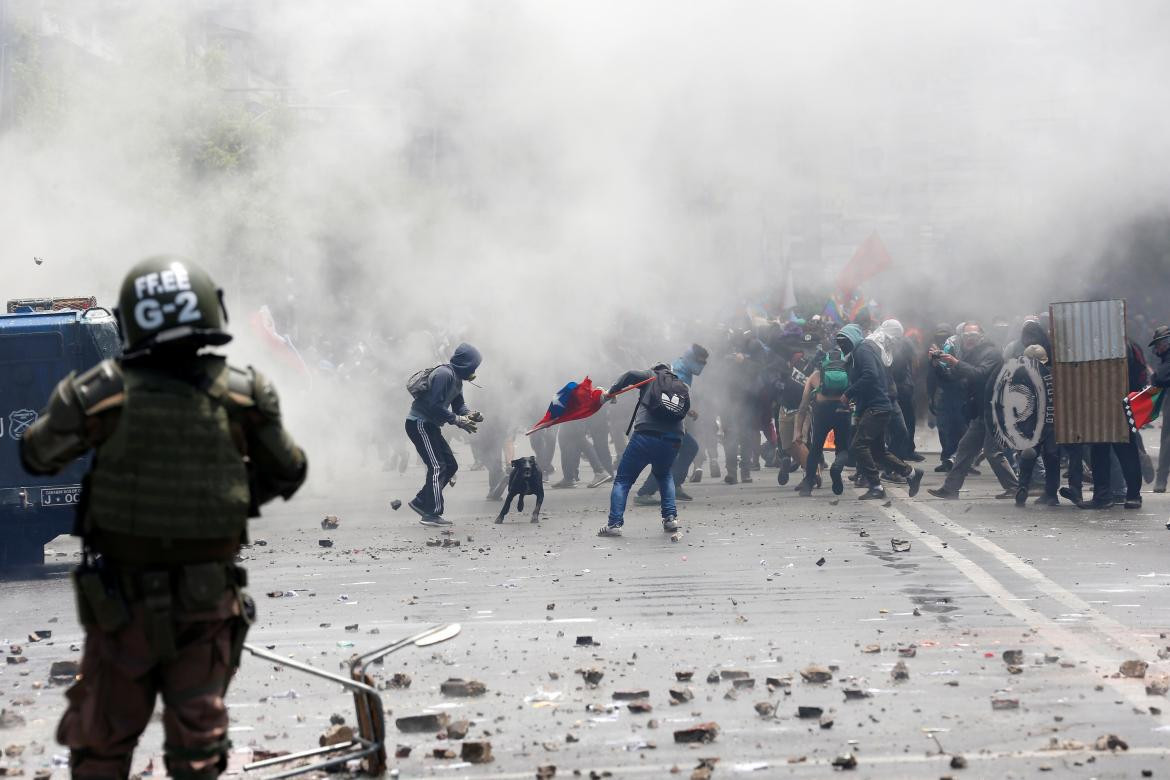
(669,524)
(1106,503)
(730,479)
(650,500)
(610,530)
(1010,494)
(782,476)
(914,457)
(835,476)
(417,507)
(946,465)
(890,476)
(697,476)
(1047,501)
(1133,503)
(715,473)
(601,480)
(1021,496)
(875,492)
(805,490)
(1072,494)
(434,521)
(564,483)
(942,492)
(914,481)
(745,477)
(682,495)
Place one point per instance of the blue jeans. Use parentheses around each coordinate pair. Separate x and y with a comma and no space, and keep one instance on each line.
(687,451)
(658,453)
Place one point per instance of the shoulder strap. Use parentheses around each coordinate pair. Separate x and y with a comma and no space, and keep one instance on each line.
(100,388)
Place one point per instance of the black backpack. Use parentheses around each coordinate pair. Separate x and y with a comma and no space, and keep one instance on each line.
(667,398)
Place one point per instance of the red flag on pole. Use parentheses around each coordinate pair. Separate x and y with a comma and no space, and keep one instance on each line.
(870,259)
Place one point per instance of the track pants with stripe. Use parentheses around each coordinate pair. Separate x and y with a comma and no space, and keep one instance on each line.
(440,462)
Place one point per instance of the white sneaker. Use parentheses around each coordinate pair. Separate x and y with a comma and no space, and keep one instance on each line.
(669,524)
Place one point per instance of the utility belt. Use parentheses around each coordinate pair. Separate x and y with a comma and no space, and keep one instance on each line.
(106,594)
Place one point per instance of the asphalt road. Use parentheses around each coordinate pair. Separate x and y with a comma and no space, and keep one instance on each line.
(1077,592)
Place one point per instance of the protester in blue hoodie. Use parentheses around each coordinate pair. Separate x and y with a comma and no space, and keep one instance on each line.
(869,391)
(441,403)
(686,368)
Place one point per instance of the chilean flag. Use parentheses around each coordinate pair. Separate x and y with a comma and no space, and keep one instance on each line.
(574,401)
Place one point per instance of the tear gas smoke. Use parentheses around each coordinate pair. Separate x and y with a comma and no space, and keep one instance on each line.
(554,180)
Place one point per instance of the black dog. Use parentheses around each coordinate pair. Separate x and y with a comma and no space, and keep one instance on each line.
(524,480)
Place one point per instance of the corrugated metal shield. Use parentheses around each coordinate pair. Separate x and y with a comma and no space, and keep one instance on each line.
(1090,378)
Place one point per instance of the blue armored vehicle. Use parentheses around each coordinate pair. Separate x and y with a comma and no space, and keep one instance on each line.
(42,340)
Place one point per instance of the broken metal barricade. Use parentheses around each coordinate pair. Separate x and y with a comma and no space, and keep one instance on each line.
(369,744)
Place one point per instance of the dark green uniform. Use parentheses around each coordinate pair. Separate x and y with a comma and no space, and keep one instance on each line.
(185,448)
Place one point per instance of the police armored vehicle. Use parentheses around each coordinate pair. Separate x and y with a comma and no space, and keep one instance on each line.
(42,340)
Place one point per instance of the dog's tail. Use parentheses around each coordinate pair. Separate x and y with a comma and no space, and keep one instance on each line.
(520,504)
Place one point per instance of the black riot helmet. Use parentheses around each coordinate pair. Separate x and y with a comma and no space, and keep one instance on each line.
(169,300)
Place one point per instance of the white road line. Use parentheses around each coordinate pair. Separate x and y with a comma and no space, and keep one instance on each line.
(1077,645)
(1117,632)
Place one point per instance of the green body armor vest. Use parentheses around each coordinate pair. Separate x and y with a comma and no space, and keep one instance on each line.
(171,470)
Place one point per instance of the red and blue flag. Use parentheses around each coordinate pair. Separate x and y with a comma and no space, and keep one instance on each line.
(574,401)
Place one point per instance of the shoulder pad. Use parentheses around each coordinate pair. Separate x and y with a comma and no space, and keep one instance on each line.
(100,388)
(240,386)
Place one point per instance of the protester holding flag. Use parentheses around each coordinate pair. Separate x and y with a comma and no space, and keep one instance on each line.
(686,368)
(663,404)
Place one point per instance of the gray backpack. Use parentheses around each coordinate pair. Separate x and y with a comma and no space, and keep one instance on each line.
(419,383)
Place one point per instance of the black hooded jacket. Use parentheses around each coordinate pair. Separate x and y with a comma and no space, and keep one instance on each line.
(977,370)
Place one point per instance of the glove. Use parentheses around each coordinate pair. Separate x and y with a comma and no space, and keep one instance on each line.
(475,416)
(606,398)
(466,423)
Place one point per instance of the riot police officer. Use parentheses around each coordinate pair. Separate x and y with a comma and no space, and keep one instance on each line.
(186,449)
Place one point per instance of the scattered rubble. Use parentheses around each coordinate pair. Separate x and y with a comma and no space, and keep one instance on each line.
(462,688)
(816,674)
(330,522)
(900,545)
(845,761)
(64,672)
(900,672)
(704,732)
(1013,657)
(479,753)
(423,724)
(1133,668)
(1111,742)
(335,735)
(1005,704)
(458,729)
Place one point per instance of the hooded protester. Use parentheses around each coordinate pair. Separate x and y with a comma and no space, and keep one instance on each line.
(980,364)
(824,400)
(1046,450)
(438,401)
(658,434)
(889,337)
(686,368)
(1161,378)
(869,391)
